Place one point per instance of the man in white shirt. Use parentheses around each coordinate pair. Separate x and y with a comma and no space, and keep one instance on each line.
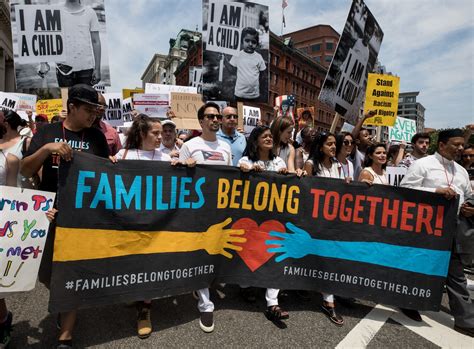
(206,149)
(439,173)
(168,142)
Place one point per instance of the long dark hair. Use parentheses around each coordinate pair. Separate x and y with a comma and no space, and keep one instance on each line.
(316,154)
(140,127)
(251,150)
(14,120)
(370,151)
(340,141)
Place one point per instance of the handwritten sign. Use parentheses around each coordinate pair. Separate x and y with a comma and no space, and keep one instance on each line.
(23,230)
(382,96)
(185,107)
(403,130)
(49,107)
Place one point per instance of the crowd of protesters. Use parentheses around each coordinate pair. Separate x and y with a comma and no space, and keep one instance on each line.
(30,154)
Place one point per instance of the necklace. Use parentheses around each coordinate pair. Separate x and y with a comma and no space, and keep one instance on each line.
(152,157)
(82,138)
(449,182)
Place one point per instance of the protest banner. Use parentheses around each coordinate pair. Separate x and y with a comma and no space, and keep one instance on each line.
(147,229)
(8,101)
(403,130)
(127,107)
(59,45)
(113,114)
(236,46)
(23,231)
(129,92)
(382,96)
(355,56)
(251,119)
(395,175)
(185,107)
(162,89)
(153,105)
(49,107)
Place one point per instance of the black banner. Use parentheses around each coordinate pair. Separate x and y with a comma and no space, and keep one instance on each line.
(139,230)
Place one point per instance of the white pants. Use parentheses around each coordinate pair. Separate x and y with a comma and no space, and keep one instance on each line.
(205,304)
(271,295)
(328,297)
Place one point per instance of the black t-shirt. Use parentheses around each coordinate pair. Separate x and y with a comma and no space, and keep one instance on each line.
(89,140)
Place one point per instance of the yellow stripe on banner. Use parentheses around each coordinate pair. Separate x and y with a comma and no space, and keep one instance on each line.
(74,244)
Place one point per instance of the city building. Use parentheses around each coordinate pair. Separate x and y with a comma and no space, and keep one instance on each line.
(409,108)
(7,70)
(155,72)
(194,59)
(176,55)
(318,42)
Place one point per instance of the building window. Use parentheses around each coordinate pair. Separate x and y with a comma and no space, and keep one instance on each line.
(316,47)
(329,45)
(317,59)
(275,79)
(328,59)
(276,60)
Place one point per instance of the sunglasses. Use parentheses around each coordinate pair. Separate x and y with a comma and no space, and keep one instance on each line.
(232,116)
(346,142)
(212,116)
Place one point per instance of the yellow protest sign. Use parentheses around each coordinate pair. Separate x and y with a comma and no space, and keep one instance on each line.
(382,96)
(129,92)
(49,107)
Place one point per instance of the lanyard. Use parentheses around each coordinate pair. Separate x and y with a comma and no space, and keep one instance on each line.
(449,182)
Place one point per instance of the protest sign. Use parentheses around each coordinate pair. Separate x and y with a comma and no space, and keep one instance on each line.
(251,119)
(382,96)
(403,130)
(127,107)
(8,101)
(100,88)
(153,105)
(113,114)
(23,231)
(235,51)
(299,111)
(162,89)
(49,107)
(185,107)
(395,175)
(56,44)
(147,229)
(129,92)
(26,102)
(356,53)
(195,78)
(346,127)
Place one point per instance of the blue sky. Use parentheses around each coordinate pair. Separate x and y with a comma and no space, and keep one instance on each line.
(428,43)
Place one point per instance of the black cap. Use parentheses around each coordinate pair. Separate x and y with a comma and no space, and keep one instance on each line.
(83,93)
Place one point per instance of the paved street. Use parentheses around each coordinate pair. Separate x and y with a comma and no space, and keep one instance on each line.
(238,324)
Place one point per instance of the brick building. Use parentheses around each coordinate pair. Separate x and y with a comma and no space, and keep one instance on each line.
(291,72)
(7,71)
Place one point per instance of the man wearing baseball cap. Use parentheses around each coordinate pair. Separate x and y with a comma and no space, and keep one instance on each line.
(168,141)
(50,145)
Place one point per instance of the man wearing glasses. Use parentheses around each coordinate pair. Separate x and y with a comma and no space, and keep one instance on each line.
(228,133)
(206,149)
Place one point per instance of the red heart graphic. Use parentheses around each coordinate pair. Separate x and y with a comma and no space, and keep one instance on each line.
(254,252)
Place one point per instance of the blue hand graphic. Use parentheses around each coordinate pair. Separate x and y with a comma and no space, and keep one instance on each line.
(295,245)
(414,259)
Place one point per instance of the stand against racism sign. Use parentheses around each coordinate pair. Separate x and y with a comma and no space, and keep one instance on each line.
(146,229)
(59,43)
(23,230)
(235,51)
(382,96)
(355,57)
(403,130)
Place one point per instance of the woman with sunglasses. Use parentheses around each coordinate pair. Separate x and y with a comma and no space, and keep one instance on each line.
(322,163)
(259,156)
(344,147)
(375,163)
(282,129)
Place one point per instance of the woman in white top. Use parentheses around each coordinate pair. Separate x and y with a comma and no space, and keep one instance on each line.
(10,139)
(282,129)
(374,165)
(143,143)
(322,163)
(259,156)
(344,147)
(302,153)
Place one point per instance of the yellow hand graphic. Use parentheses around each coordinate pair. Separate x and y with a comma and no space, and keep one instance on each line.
(217,239)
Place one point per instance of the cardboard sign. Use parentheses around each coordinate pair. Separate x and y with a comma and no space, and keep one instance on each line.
(153,105)
(113,114)
(382,95)
(185,107)
(8,101)
(23,231)
(395,175)
(49,107)
(251,118)
(403,130)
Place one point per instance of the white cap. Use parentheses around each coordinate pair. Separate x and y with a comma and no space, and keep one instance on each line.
(168,122)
